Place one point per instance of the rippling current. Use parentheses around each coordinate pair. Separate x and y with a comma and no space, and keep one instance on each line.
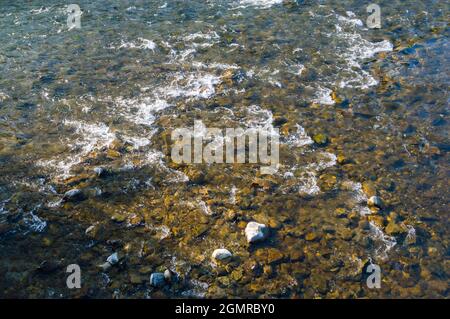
(360,111)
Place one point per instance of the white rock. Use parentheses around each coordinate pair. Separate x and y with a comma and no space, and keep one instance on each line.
(89,229)
(113,259)
(256,232)
(221,254)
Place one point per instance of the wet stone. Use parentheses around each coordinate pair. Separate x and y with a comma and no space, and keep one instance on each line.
(74,195)
(274,256)
(157,279)
(221,254)
(113,259)
(311,236)
(369,189)
(118,218)
(320,139)
(375,201)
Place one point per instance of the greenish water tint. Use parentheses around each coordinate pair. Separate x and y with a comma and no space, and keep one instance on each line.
(361,112)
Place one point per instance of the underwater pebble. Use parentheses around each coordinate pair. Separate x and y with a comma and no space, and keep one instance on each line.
(221,254)
(100,171)
(256,232)
(73,195)
(375,201)
(168,275)
(157,279)
(113,259)
(89,229)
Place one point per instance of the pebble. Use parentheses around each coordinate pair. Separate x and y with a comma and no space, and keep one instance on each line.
(89,229)
(256,232)
(393,229)
(320,139)
(157,279)
(274,255)
(311,236)
(375,201)
(221,254)
(113,259)
(118,218)
(100,171)
(369,189)
(73,195)
(168,275)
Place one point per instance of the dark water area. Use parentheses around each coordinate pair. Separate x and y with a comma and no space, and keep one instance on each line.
(361,112)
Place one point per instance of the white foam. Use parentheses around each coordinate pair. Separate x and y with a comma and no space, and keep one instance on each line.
(383,242)
(323,96)
(140,43)
(260,4)
(359,198)
(141,110)
(205,208)
(300,138)
(33,222)
(88,137)
(355,50)
(40,10)
(193,85)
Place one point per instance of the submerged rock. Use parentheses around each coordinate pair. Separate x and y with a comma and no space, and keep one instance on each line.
(157,279)
(100,171)
(118,218)
(168,275)
(74,195)
(256,232)
(375,201)
(320,139)
(369,189)
(221,254)
(113,259)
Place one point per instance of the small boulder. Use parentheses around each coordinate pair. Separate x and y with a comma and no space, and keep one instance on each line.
(221,254)
(256,232)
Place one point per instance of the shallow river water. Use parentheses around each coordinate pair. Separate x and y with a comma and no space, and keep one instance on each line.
(361,112)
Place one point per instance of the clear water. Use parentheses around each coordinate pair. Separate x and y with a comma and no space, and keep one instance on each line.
(109,94)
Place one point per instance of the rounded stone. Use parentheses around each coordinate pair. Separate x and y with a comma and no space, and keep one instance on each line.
(375,201)
(221,254)
(113,259)
(157,279)
(256,232)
